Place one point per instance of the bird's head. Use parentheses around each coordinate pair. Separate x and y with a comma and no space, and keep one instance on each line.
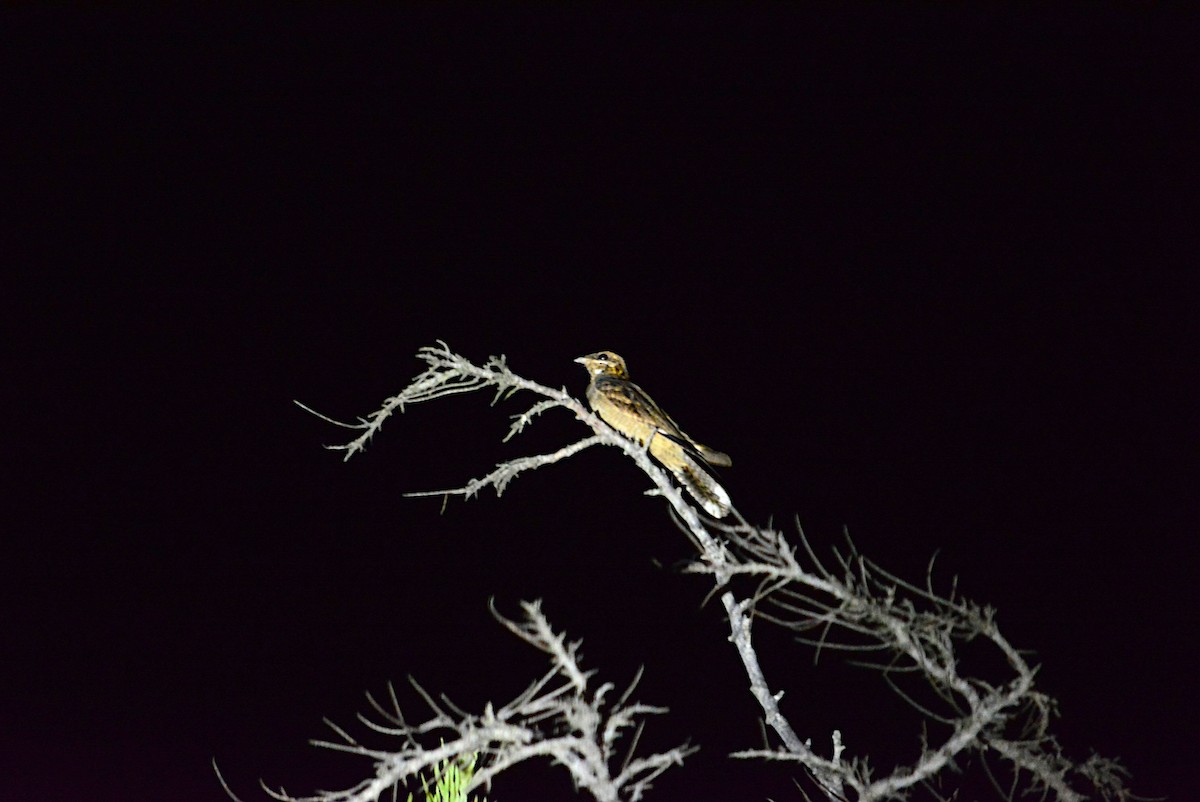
(604,363)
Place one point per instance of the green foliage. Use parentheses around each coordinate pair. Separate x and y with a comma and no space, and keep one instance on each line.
(451,780)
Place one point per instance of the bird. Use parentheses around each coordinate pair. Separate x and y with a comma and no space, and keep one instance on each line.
(628,409)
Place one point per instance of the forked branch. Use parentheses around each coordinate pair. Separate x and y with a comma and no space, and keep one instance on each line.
(561,716)
(852,605)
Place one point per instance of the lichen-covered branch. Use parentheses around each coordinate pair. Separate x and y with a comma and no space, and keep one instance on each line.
(561,716)
(912,633)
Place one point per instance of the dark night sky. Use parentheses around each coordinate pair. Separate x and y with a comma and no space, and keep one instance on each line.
(928,274)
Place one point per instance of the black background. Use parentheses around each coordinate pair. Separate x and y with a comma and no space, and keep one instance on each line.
(927,274)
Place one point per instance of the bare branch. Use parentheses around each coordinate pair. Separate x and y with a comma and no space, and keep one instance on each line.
(854,604)
(570,723)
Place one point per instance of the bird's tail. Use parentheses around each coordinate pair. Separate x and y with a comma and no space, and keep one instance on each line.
(703,487)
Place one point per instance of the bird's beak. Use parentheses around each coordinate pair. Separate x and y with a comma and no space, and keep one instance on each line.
(582,360)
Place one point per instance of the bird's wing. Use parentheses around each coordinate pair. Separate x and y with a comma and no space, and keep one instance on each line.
(644,416)
(670,429)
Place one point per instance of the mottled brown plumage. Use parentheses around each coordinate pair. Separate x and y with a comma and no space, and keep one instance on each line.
(628,409)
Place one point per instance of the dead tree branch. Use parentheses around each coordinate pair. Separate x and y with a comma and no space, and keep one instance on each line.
(852,605)
(561,716)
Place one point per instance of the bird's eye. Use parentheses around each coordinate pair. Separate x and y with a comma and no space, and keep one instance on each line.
(601,357)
